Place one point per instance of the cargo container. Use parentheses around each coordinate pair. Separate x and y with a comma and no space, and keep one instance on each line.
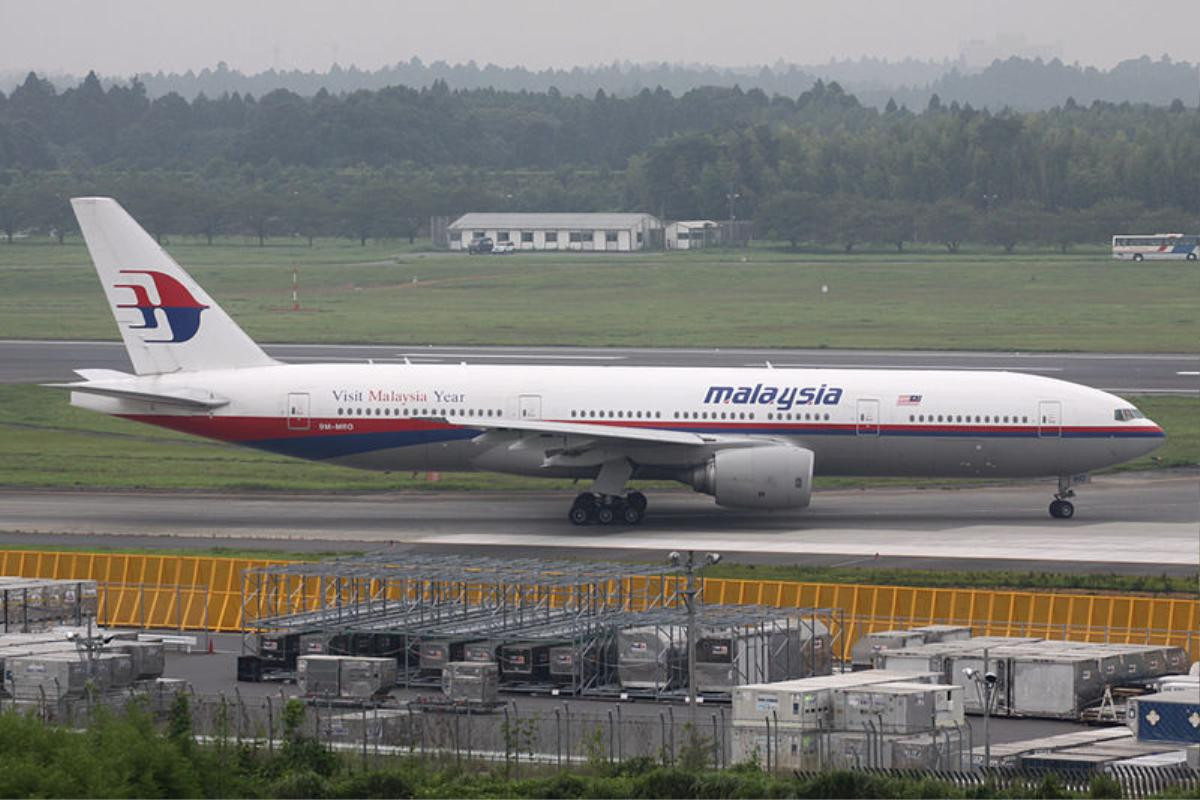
(117,669)
(652,657)
(777,650)
(435,654)
(1165,717)
(943,749)
(319,675)
(897,708)
(1056,685)
(471,681)
(525,662)
(943,633)
(806,703)
(863,653)
(782,748)
(364,677)
(149,658)
(480,652)
(279,649)
(390,727)
(52,676)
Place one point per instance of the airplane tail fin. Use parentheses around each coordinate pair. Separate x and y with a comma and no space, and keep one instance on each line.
(168,323)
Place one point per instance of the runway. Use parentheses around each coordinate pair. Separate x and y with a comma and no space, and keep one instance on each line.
(36,361)
(1146,524)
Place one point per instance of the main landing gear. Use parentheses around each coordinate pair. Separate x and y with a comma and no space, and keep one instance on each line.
(605,509)
(1062,507)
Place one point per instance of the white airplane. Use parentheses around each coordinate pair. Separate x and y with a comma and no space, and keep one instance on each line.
(752,438)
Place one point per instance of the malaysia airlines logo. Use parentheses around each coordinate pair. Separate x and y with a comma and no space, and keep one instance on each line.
(181,310)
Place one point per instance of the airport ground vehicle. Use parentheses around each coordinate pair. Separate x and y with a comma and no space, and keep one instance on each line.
(1160,246)
(481,245)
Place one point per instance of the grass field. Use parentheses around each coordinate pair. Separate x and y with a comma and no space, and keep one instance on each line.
(761,297)
(44,442)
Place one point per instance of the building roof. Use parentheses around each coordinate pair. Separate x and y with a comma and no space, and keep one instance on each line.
(487,221)
(696,223)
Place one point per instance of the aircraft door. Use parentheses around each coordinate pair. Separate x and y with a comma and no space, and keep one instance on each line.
(867,419)
(1049,419)
(530,406)
(298,419)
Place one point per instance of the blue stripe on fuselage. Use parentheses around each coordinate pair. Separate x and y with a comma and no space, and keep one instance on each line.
(324,446)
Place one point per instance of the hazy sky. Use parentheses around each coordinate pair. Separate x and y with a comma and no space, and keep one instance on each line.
(120,37)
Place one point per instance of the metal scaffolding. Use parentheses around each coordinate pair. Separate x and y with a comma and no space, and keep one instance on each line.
(550,625)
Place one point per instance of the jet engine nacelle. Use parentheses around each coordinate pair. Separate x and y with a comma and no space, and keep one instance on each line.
(778,476)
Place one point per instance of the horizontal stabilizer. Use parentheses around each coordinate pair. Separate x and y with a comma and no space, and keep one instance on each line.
(192,399)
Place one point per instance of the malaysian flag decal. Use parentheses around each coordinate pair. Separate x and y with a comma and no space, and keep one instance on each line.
(909,400)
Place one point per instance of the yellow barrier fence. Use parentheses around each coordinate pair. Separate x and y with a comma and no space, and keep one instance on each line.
(205,593)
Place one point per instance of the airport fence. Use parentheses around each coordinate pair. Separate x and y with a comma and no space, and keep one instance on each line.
(564,735)
(206,593)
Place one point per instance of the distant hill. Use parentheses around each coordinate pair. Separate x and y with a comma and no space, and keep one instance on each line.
(1018,83)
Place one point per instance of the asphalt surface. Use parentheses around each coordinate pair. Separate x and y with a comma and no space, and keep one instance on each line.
(1135,524)
(43,361)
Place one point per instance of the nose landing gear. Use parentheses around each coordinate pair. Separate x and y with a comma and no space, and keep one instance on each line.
(606,509)
(1062,507)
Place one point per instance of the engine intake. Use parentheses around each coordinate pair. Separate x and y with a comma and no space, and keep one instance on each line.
(778,476)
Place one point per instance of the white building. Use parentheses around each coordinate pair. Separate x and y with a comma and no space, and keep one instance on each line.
(692,234)
(586,232)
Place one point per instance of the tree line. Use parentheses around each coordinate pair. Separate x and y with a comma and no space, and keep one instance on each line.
(1021,83)
(816,168)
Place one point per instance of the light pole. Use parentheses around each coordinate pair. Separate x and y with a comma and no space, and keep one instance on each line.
(985,686)
(731,197)
(689,599)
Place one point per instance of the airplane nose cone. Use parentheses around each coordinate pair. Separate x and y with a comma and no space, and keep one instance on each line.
(1151,437)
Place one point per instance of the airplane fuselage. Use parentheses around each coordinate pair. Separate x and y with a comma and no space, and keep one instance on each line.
(856,422)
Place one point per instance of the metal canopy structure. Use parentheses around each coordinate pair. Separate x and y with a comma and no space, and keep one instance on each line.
(431,608)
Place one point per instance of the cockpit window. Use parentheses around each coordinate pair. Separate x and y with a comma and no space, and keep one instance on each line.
(1126,414)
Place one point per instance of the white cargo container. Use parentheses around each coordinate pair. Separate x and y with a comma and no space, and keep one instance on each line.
(1055,685)
(319,676)
(777,650)
(897,708)
(944,633)
(808,702)
(785,747)
(377,726)
(365,676)
(50,675)
(149,658)
(864,651)
(471,681)
(116,669)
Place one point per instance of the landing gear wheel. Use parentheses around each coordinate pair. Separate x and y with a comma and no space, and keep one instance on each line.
(637,500)
(579,515)
(631,514)
(605,515)
(1062,509)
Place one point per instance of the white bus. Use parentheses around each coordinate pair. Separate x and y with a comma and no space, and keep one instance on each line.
(1160,245)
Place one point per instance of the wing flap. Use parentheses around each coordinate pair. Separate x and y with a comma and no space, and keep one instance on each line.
(603,431)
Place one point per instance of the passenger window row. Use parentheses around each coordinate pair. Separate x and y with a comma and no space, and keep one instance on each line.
(419,412)
(992,419)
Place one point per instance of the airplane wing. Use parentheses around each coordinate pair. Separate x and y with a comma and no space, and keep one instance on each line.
(597,431)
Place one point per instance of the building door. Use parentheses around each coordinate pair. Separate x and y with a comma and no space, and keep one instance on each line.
(530,406)
(1050,419)
(867,420)
(298,419)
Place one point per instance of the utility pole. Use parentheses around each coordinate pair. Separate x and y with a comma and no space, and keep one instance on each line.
(731,197)
(689,599)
